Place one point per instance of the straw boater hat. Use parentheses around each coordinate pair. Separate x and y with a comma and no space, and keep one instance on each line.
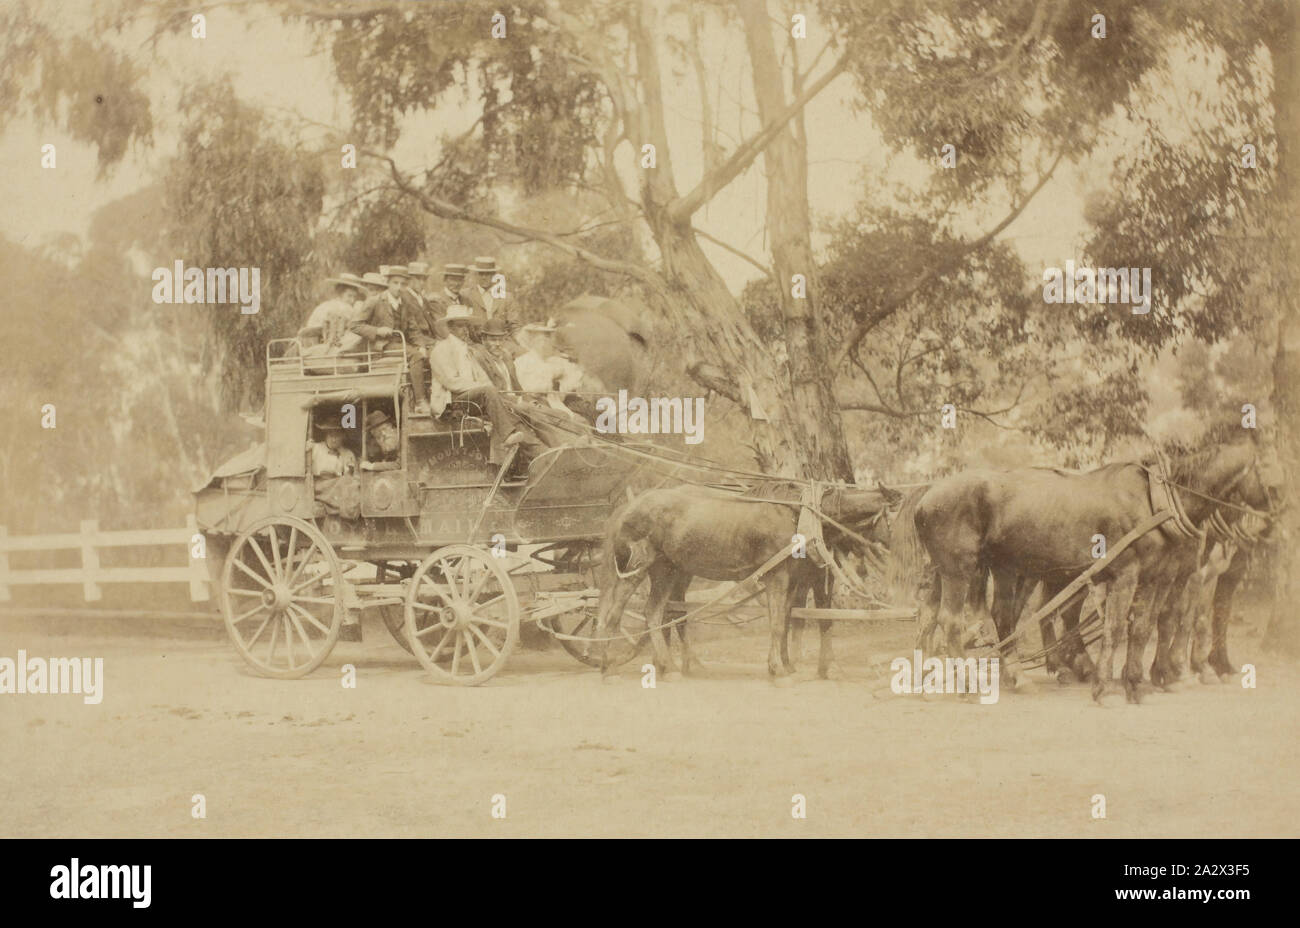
(347,280)
(376,417)
(394,270)
(458,312)
(484,265)
(418,269)
(372,279)
(457,271)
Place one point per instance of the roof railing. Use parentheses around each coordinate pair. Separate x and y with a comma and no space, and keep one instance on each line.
(285,358)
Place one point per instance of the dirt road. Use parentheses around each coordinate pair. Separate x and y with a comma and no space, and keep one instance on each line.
(718,755)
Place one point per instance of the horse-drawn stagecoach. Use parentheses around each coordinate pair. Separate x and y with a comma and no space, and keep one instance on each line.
(452,550)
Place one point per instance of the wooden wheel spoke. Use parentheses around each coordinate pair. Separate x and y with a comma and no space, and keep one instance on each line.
(309,617)
(490,623)
(455,654)
(275,631)
(248,570)
(275,551)
(288,550)
(473,653)
(478,587)
(303,563)
(257,634)
(288,640)
(491,602)
(311,652)
(433,655)
(496,652)
(256,609)
(315,578)
(420,633)
(266,565)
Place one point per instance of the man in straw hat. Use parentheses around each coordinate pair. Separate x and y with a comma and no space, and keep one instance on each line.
(458,376)
(478,293)
(453,278)
(415,286)
(384,315)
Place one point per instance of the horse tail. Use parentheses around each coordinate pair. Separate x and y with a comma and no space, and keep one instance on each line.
(909,563)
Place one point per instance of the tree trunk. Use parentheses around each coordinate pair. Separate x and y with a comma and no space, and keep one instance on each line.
(801,433)
(789,231)
(1284,46)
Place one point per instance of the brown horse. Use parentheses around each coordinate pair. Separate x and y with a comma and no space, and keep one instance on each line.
(1038,523)
(672,535)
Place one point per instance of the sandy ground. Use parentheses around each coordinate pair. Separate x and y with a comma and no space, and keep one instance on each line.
(721,754)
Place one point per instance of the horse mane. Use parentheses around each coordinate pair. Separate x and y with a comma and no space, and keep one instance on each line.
(1188,462)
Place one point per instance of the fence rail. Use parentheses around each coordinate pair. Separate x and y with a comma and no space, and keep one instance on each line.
(90,575)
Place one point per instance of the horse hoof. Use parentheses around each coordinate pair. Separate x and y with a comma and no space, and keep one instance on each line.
(833,672)
(1066,677)
(1024,685)
(1104,699)
(1208,677)
(784,682)
(672,676)
(1132,696)
(1225,678)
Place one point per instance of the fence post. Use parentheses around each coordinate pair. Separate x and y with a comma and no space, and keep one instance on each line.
(4,565)
(198,568)
(90,560)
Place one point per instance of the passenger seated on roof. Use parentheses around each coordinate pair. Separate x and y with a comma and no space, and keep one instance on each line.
(457,376)
(382,442)
(326,330)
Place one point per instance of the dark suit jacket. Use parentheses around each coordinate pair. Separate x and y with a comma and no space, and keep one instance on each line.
(411,319)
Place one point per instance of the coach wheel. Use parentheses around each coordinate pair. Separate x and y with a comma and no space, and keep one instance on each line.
(395,621)
(462,615)
(578,631)
(281,596)
(585,644)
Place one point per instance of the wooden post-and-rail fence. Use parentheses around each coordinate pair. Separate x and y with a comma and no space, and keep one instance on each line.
(90,575)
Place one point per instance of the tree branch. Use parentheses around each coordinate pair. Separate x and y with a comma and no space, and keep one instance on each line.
(447,210)
(685,206)
(894,303)
(737,252)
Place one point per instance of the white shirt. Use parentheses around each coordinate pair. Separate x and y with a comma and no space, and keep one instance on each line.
(542,375)
(327,463)
(454,370)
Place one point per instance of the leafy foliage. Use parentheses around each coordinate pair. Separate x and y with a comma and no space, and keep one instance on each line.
(238,196)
